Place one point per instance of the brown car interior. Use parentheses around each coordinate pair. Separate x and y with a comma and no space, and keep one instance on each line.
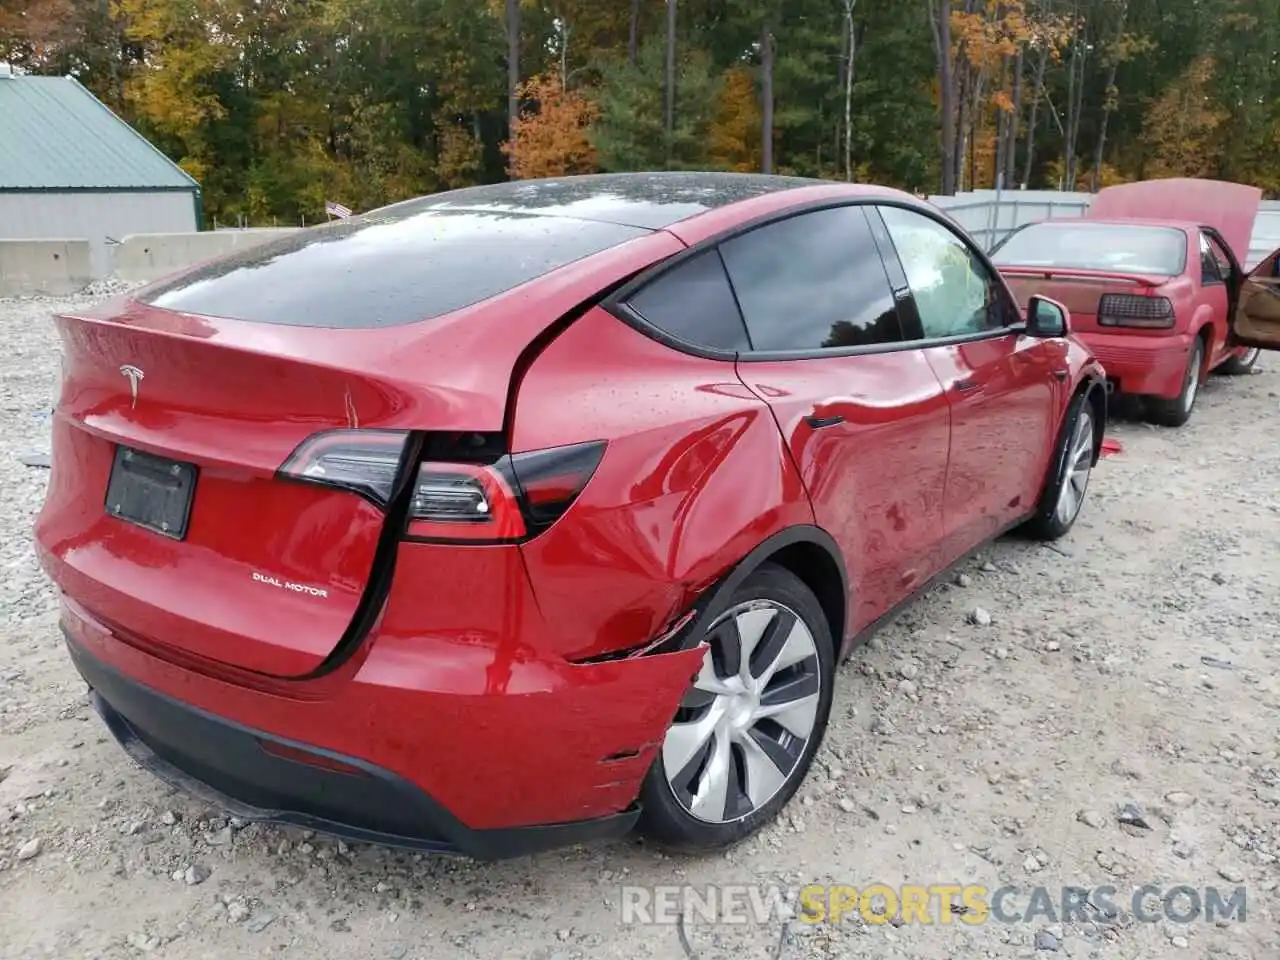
(1257,317)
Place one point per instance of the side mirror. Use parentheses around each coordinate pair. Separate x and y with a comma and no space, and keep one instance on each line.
(1047,318)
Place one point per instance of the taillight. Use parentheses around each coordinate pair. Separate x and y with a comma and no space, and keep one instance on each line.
(462,501)
(550,480)
(1130,310)
(362,461)
(478,494)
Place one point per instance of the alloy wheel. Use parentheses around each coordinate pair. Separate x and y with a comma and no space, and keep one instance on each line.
(1076,469)
(1191,385)
(743,726)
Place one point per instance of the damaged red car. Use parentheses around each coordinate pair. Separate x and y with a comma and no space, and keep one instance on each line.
(532,513)
(1152,277)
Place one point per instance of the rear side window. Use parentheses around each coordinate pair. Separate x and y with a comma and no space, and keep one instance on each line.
(694,303)
(406,263)
(1217,256)
(812,282)
(1208,266)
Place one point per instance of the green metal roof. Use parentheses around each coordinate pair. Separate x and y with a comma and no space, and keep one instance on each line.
(56,135)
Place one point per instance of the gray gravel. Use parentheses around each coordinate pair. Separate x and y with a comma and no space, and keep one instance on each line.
(1012,728)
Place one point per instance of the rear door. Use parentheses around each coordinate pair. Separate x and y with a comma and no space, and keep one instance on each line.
(862,413)
(1005,388)
(1256,322)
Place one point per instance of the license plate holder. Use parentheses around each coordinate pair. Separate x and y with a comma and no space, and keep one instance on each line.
(151,492)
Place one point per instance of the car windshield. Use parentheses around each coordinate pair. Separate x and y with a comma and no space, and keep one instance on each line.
(1096,246)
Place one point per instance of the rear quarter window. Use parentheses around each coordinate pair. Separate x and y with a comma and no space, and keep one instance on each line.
(407,263)
(694,303)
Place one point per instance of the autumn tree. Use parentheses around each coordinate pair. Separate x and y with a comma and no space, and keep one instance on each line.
(987,39)
(734,140)
(277,106)
(551,136)
(1247,85)
(1182,125)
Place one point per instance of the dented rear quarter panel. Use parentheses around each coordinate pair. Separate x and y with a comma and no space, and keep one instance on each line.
(694,477)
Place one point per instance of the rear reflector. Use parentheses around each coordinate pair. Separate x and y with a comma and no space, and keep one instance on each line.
(1131,310)
(286,752)
(481,496)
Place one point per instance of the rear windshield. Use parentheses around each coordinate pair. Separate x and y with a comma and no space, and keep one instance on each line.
(405,263)
(1096,246)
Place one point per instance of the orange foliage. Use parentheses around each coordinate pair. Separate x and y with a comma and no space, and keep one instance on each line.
(984,38)
(735,133)
(984,154)
(44,24)
(458,156)
(551,138)
(1181,128)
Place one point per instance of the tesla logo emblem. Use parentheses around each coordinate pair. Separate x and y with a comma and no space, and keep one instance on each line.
(134,376)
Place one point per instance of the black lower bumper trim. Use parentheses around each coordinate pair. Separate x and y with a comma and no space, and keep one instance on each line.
(228,766)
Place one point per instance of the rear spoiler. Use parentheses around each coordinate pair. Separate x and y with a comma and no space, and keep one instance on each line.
(1052,273)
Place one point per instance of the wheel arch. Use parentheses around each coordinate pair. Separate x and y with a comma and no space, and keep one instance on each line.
(807,551)
(1202,330)
(1094,388)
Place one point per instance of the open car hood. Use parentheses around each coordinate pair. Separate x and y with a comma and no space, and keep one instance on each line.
(1230,208)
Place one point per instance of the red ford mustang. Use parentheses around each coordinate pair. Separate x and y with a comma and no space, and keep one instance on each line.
(1152,279)
(522,514)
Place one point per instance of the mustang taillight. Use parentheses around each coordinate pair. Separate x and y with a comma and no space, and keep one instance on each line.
(1131,310)
(494,497)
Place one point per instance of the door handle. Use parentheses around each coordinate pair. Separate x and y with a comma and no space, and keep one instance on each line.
(966,385)
(817,423)
(1060,375)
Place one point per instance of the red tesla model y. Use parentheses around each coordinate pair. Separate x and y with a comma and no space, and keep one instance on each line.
(527,514)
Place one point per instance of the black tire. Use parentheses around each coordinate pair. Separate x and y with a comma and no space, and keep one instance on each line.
(1052,519)
(665,819)
(1240,364)
(1176,412)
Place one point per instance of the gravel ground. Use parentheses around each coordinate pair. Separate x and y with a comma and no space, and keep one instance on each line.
(995,734)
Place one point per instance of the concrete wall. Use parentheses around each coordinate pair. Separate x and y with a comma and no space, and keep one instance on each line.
(100,217)
(43,266)
(149,256)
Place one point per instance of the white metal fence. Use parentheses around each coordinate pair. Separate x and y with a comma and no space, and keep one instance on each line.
(989,216)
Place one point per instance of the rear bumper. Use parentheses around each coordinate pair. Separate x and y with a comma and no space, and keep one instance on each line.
(1142,365)
(415,746)
(254,775)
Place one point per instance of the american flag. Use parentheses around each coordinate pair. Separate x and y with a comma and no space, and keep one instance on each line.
(334,209)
